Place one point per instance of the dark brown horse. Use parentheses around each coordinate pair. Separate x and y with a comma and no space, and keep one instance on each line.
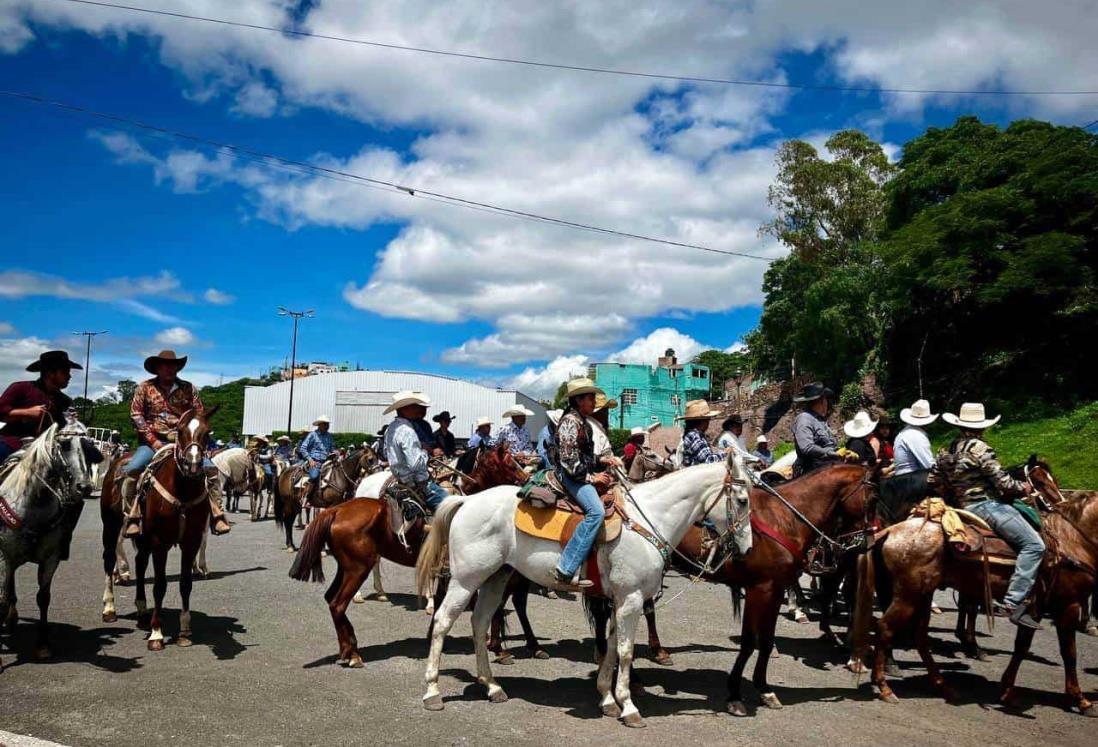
(827,498)
(915,562)
(360,532)
(177,512)
(337,482)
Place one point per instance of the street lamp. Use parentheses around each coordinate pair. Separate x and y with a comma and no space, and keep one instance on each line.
(87,363)
(283,311)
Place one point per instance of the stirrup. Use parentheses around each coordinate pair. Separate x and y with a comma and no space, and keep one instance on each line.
(564,582)
(132,528)
(213,526)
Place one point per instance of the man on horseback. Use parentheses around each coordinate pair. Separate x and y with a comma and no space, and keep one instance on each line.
(444,437)
(816,445)
(515,436)
(28,408)
(316,447)
(913,459)
(545,437)
(482,433)
(404,451)
(158,404)
(969,470)
(582,474)
(695,444)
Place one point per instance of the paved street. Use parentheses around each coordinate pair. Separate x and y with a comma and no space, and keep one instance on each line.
(262,672)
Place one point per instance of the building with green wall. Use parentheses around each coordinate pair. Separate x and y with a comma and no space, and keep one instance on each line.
(649,394)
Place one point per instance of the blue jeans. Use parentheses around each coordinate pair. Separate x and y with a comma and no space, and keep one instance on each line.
(1009,524)
(5,450)
(143,454)
(436,494)
(267,470)
(314,473)
(575,552)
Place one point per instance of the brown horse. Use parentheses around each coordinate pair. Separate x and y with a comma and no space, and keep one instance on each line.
(827,498)
(360,532)
(337,482)
(177,511)
(915,562)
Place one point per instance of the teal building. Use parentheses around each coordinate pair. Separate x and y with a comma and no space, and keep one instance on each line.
(647,394)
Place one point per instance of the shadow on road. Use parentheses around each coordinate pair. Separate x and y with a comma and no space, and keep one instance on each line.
(71,643)
(212,576)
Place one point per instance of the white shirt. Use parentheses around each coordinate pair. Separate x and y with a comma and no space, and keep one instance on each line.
(407,458)
(599,439)
(729,440)
(912,450)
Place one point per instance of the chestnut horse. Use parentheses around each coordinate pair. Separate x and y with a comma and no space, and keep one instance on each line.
(829,497)
(360,532)
(915,560)
(177,511)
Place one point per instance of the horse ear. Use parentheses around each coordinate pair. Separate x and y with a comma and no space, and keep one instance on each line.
(210,412)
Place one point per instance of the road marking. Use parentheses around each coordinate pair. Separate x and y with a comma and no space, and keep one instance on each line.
(7,739)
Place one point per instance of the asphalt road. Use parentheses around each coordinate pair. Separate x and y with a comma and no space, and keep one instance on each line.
(262,672)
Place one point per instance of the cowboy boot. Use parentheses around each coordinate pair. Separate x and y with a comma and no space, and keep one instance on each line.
(132,528)
(218,523)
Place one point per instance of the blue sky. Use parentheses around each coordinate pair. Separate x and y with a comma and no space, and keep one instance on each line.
(117,230)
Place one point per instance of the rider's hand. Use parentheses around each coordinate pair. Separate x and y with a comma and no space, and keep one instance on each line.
(312,463)
(613,461)
(602,480)
(156,444)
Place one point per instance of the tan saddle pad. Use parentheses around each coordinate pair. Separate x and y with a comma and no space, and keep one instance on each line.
(559,522)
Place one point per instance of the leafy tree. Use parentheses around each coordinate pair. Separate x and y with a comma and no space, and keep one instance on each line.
(722,367)
(126,389)
(560,400)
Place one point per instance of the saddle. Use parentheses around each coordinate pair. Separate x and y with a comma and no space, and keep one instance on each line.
(547,510)
(969,537)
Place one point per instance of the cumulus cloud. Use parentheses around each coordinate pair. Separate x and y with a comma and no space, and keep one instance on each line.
(21,284)
(218,298)
(175,337)
(7,328)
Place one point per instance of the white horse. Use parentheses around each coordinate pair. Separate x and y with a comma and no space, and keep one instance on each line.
(482,539)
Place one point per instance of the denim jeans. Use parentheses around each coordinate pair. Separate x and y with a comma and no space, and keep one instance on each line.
(435,494)
(1009,524)
(267,470)
(314,473)
(575,552)
(143,454)
(5,450)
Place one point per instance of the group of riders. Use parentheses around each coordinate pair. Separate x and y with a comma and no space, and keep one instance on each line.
(576,446)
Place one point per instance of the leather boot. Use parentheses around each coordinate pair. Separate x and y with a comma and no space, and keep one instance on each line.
(218,523)
(132,527)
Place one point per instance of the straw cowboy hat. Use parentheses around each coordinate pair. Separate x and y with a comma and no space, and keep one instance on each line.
(918,414)
(405,398)
(282,438)
(481,422)
(554,416)
(444,415)
(861,426)
(518,410)
(971,416)
(53,359)
(262,438)
(812,392)
(698,409)
(322,419)
(582,385)
(601,402)
(165,356)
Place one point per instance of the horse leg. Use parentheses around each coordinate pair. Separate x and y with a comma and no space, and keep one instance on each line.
(519,597)
(771,606)
(186,583)
(656,651)
(456,599)
(626,615)
(288,523)
(608,660)
(141,561)
(971,647)
(600,615)
(7,575)
(46,569)
(339,595)
(922,644)
(111,537)
(1023,639)
(160,585)
(489,600)
(1066,623)
(748,640)
(199,564)
(897,616)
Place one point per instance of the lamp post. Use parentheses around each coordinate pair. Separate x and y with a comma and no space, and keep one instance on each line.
(87,363)
(737,376)
(296,315)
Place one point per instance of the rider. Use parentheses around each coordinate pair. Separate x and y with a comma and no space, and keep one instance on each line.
(316,447)
(600,428)
(27,408)
(285,449)
(482,433)
(969,468)
(812,437)
(515,435)
(545,437)
(264,456)
(157,405)
(732,435)
(762,451)
(633,446)
(913,459)
(581,474)
(860,438)
(695,446)
(404,451)
(444,437)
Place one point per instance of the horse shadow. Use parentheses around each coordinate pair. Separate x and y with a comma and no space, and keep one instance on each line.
(409,602)
(212,575)
(71,643)
(407,648)
(969,688)
(215,632)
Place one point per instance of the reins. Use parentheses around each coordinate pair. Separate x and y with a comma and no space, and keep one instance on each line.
(758,482)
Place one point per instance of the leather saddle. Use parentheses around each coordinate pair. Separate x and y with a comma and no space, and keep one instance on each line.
(978,542)
(547,510)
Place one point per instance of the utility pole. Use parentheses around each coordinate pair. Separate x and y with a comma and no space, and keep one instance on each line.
(87,363)
(919,364)
(296,315)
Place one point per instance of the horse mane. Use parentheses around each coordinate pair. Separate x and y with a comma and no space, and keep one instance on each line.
(37,457)
(1073,508)
(468,460)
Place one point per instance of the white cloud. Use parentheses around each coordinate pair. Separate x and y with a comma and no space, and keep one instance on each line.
(524,337)
(739,346)
(175,337)
(21,284)
(218,298)
(7,328)
(144,310)
(256,100)
(543,382)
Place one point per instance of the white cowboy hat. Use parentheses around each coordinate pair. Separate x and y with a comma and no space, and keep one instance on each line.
(918,414)
(322,419)
(761,439)
(971,416)
(698,409)
(262,438)
(518,410)
(861,426)
(554,415)
(579,386)
(405,398)
(282,438)
(638,430)
(480,422)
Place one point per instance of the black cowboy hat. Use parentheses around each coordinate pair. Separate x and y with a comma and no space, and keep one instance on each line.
(52,360)
(732,420)
(812,392)
(444,415)
(164,356)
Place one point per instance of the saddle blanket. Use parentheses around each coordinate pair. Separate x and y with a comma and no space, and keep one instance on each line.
(558,524)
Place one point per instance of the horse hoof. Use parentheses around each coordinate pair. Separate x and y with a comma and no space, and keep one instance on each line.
(498,697)
(770,700)
(291,550)
(634,721)
(505,659)
(183,642)
(541,654)
(889,697)
(663,659)
(433,703)
(737,708)
(613,710)
(342,662)
(382,597)
(551,595)
(156,645)
(42,653)
(358,598)
(355,662)
(110,617)
(1091,711)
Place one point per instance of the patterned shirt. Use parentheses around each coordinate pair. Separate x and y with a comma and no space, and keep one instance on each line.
(476,440)
(155,411)
(696,450)
(970,472)
(405,453)
(24,394)
(575,448)
(316,446)
(516,437)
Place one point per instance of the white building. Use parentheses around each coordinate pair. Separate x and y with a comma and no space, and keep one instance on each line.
(354,400)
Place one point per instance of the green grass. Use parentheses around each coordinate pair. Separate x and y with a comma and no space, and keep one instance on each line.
(1069,443)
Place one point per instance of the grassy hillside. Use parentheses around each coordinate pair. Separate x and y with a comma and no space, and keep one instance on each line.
(1069,443)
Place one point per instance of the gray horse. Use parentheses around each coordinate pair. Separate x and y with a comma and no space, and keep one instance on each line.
(41,495)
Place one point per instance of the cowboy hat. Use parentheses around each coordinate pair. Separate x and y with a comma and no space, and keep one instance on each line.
(812,392)
(762,439)
(405,398)
(282,438)
(861,426)
(322,419)
(164,356)
(53,359)
(518,410)
(554,415)
(637,430)
(601,402)
(444,415)
(262,438)
(481,422)
(698,409)
(971,416)
(582,385)
(918,414)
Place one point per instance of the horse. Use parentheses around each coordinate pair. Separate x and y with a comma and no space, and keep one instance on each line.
(177,511)
(784,531)
(238,475)
(914,562)
(648,465)
(360,532)
(41,496)
(336,484)
(484,546)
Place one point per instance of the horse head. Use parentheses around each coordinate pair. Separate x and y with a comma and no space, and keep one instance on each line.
(858,495)
(494,465)
(192,436)
(76,454)
(368,461)
(1039,476)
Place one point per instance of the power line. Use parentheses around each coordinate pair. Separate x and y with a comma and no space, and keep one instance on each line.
(577,68)
(277,161)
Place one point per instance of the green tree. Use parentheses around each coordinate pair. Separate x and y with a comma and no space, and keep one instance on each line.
(126,388)
(722,367)
(560,400)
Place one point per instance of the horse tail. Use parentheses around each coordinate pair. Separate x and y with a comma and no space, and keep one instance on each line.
(431,555)
(863,606)
(307,566)
(737,603)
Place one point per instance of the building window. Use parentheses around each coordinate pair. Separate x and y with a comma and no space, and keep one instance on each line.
(700,373)
(591,371)
(628,396)
(675,400)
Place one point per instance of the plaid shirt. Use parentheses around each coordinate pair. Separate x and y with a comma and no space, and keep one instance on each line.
(696,450)
(155,412)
